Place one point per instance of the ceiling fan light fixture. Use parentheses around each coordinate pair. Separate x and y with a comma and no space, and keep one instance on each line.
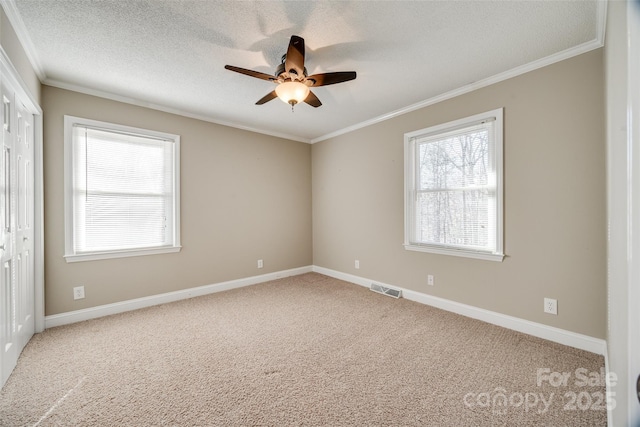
(292,92)
(291,78)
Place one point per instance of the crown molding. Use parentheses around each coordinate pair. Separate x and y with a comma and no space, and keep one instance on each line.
(514,72)
(166,109)
(24,38)
(20,29)
(597,42)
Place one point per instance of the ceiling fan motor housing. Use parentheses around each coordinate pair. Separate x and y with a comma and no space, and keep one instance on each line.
(283,75)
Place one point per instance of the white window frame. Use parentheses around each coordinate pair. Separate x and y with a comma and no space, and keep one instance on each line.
(410,170)
(70,254)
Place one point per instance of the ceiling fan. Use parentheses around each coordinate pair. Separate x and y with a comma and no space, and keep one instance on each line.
(292,80)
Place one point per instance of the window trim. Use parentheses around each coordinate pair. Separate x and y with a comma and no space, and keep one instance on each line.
(410,182)
(69,253)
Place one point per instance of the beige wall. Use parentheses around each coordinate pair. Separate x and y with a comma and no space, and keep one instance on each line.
(244,197)
(18,57)
(554,209)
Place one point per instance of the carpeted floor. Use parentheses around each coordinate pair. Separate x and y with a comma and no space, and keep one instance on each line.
(305,350)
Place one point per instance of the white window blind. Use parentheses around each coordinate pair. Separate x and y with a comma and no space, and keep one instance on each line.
(453,183)
(123,186)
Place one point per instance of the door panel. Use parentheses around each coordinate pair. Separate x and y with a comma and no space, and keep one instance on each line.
(24,232)
(8,345)
(16,231)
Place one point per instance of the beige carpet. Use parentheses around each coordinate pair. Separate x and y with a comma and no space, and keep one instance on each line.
(306,350)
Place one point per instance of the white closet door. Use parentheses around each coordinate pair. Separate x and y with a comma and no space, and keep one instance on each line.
(8,344)
(24,225)
(16,230)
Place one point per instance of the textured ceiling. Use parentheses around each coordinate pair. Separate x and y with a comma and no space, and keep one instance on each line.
(170,54)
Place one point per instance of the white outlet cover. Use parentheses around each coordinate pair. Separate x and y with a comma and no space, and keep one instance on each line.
(78,292)
(551,306)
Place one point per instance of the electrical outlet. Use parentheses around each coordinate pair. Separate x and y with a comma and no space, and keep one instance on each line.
(430,280)
(357,264)
(78,292)
(260,263)
(551,306)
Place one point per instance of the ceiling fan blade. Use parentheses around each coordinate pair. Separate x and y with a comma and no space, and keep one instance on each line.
(312,100)
(294,62)
(325,79)
(268,97)
(250,73)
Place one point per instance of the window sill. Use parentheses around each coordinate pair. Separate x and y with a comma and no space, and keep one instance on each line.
(487,256)
(94,256)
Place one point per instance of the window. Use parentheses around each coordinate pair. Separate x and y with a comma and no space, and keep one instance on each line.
(453,188)
(121,191)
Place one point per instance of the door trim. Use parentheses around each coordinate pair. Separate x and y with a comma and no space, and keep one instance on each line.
(633,201)
(8,72)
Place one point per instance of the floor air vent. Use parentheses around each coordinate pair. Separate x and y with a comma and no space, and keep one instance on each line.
(396,293)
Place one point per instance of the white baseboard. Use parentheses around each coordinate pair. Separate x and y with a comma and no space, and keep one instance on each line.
(561,336)
(550,333)
(134,304)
